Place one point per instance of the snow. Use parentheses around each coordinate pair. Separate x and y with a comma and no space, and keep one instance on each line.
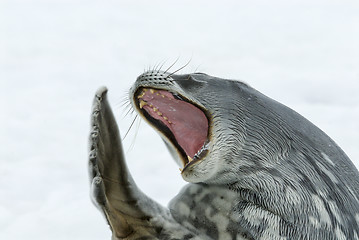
(55,54)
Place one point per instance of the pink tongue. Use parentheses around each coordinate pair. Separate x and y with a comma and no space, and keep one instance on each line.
(188,124)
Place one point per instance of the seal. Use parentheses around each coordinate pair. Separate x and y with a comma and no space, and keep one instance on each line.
(256,168)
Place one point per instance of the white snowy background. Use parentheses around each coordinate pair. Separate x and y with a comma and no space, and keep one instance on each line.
(54,54)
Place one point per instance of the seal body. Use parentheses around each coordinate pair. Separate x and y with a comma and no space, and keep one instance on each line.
(256,170)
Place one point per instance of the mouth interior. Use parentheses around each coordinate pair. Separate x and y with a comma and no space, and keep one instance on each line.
(187,123)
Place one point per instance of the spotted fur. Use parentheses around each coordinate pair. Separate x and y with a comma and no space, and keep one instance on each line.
(269,173)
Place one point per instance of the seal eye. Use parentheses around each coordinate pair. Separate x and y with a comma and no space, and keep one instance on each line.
(183,123)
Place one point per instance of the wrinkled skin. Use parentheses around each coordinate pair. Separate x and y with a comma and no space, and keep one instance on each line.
(269,173)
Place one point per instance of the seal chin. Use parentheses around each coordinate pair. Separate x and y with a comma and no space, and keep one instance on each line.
(200,171)
(182,124)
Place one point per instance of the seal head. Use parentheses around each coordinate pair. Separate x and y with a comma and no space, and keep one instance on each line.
(188,115)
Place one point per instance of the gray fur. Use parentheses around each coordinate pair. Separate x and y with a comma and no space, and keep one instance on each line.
(269,173)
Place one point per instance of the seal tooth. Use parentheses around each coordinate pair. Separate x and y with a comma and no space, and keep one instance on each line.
(155,109)
(165,118)
(142,103)
(159,113)
(152,91)
(189,159)
(142,94)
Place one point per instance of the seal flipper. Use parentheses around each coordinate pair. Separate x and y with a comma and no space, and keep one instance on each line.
(127,210)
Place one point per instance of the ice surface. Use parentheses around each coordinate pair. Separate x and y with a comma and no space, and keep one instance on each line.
(55,54)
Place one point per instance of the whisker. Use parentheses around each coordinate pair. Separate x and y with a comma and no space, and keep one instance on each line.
(122,100)
(129,128)
(128,108)
(161,66)
(197,68)
(134,138)
(180,68)
(125,94)
(129,111)
(154,69)
(125,102)
(147,69)
(189,75)
(171,65)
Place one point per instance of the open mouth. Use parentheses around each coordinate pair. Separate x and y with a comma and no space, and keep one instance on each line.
(182,122)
